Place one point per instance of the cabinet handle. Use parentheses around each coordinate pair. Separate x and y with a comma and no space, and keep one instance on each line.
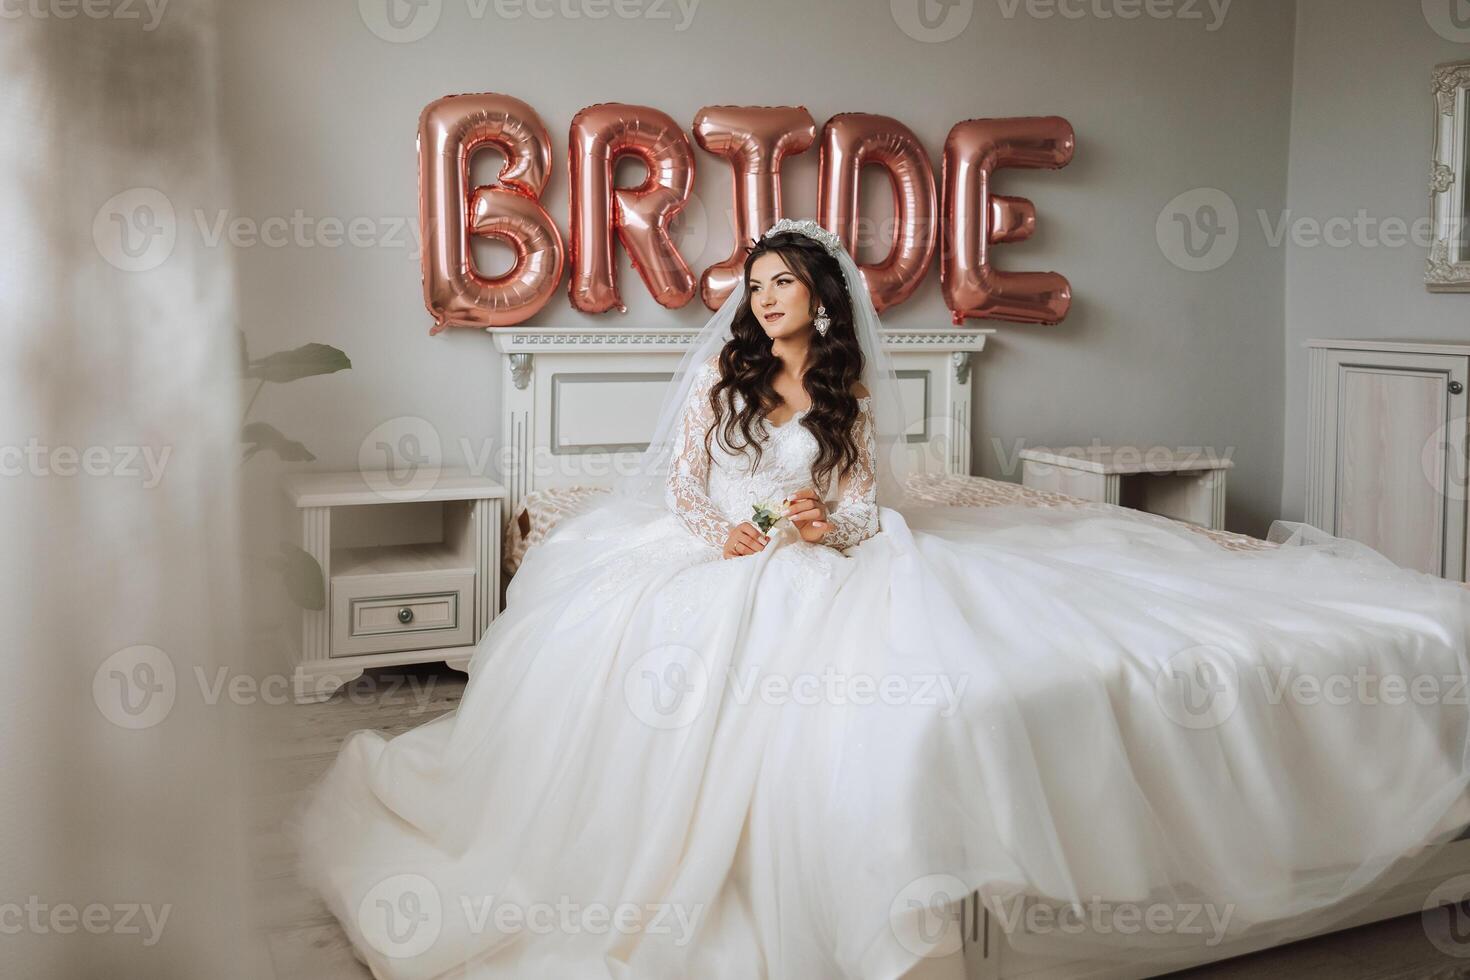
(1456,387)
(405,615)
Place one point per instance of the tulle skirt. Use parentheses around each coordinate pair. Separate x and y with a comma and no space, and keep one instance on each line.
(796,764)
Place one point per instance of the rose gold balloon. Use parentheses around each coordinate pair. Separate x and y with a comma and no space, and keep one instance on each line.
(754,140)
(640,216)
(975,219)
(851,140)
(1012,219)
(451,129)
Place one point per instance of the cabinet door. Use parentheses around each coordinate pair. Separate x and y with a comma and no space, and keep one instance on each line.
(1389,454)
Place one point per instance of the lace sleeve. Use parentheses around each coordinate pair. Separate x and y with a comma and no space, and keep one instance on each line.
(855,518)
(686,492)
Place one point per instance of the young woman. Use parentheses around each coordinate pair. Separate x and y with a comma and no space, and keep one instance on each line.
(691,747)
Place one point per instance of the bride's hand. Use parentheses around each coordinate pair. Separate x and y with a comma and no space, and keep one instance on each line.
(744,539)
(809,516)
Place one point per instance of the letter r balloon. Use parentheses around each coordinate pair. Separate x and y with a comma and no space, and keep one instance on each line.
(639,216)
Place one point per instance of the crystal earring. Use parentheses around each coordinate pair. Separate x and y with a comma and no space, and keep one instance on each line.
(822,323)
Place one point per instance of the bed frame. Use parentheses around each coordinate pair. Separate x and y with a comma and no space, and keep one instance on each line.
(580,403)
(577,403)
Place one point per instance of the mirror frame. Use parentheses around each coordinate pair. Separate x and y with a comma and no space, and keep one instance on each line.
(1448,269)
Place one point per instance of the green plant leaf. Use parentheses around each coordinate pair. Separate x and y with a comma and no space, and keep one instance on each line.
(765,516)
(303,578)
(305,361)
(259,436)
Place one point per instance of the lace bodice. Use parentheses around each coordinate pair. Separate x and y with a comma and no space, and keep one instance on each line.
(712,492)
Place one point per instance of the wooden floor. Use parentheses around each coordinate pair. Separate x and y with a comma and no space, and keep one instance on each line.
(300,940)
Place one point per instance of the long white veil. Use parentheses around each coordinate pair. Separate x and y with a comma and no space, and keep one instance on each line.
(878,376)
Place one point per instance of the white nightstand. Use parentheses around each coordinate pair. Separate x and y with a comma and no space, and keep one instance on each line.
(1185,484)
(412,574)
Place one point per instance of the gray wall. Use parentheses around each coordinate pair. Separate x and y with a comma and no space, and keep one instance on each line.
(1360,142)
(321,116)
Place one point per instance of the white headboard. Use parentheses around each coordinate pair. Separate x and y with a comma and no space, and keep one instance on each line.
(579,403)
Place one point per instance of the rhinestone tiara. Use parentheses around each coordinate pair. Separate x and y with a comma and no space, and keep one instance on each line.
(810,229)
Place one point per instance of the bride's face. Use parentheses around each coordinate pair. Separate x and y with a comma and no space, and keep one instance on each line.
(780,301)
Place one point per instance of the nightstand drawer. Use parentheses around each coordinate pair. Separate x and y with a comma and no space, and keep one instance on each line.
(411,611)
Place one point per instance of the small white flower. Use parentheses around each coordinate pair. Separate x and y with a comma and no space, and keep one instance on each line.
(766,515)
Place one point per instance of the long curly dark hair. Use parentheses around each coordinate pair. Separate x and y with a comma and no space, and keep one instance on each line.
(834,364)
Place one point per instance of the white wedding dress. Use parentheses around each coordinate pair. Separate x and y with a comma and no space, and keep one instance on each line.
(670,765)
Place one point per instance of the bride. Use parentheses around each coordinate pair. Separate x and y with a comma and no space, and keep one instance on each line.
(697,746)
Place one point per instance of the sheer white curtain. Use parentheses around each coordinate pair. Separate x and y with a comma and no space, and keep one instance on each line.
(119,815)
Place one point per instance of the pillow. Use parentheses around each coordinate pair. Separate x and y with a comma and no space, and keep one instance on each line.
(539,512)
(955,490)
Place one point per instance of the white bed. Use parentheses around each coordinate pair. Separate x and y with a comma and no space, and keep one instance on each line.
(579,403)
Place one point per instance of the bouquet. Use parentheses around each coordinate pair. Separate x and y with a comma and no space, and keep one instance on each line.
(766,515)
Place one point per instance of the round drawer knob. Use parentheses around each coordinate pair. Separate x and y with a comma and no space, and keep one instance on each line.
(1456,387)
(405,615)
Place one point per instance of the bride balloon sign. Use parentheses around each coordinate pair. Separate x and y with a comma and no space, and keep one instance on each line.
(959,215)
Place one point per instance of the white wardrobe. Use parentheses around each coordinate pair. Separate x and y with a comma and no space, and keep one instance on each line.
(1388,455)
